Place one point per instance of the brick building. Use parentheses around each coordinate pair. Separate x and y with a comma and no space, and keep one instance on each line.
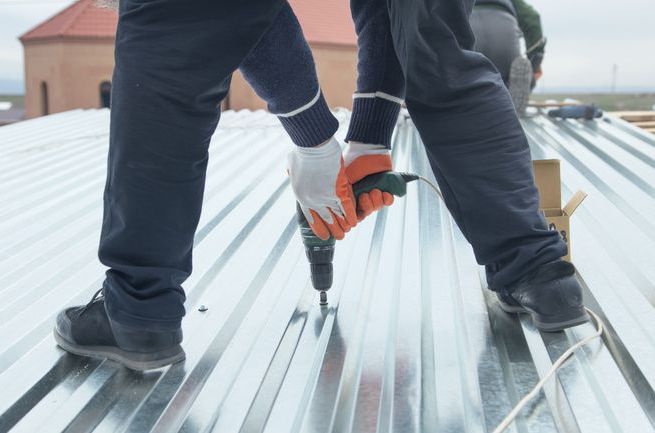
(70,57)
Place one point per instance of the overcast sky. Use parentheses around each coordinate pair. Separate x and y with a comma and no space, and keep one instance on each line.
(585,39)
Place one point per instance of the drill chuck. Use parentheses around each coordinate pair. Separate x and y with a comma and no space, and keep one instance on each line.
(320,263)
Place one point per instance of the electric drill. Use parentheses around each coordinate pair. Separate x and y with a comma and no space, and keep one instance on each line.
(587,112)
(320,253)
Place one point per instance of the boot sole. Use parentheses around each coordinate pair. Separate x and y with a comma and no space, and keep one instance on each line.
(559,323)
(511,309)
(548,324)
(131,360)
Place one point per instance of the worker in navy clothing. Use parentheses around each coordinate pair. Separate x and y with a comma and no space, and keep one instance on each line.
(166,95)
(498,26)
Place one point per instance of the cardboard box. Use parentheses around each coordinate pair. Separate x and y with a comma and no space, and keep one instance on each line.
(547,176)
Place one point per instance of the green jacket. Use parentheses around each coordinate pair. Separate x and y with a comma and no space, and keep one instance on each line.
(529,23)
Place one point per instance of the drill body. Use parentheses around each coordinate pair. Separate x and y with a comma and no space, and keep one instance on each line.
(320,253)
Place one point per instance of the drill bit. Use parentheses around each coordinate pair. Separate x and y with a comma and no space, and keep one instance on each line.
(323,298)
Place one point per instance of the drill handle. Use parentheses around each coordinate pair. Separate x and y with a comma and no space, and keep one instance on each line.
(389,181)
(392,182)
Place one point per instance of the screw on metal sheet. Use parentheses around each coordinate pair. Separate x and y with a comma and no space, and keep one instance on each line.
(203,308)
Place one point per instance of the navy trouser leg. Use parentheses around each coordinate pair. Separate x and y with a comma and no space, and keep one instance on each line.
(497,36)
(174,59)
(473,139)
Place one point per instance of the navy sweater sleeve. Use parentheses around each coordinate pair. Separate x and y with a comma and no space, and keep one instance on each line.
(380,82)
(282,72)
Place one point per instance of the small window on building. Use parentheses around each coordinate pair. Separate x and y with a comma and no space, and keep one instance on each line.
(105,94)
(45,109)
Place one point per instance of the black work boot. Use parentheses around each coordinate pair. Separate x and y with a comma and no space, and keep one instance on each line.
(88,331)
(551,295)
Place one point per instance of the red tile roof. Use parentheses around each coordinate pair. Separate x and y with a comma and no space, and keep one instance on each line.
(83,19)
(323,21)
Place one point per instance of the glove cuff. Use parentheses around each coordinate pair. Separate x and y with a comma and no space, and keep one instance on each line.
(373,120)
(311,124)
(366,165)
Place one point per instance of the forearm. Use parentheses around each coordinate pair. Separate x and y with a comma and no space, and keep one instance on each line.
(380,82)
(282,72)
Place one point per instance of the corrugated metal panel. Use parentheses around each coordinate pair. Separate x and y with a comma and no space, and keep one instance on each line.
(411,341)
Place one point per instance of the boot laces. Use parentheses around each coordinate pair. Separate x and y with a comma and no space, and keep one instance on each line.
(97,296)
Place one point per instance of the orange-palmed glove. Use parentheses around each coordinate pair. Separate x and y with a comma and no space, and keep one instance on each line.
(318,178)
(362,160)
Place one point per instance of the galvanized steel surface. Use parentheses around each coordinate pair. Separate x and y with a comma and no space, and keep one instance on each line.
(411,341)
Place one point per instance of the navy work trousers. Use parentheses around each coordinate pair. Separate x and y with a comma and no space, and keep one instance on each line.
(174,60)
(474,141)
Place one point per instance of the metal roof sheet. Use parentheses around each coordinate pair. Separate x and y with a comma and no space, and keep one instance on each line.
(411,341)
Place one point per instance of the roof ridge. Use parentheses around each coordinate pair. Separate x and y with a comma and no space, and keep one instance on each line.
(84,6)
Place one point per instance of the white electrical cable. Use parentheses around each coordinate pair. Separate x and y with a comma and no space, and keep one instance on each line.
(600,327)
(433,186)
(556,366)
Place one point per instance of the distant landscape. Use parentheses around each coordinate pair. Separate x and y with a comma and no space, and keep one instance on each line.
(17,101)
(606,101)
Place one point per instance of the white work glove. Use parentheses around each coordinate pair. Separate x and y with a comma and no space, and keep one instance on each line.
(319,180)
(362,160)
